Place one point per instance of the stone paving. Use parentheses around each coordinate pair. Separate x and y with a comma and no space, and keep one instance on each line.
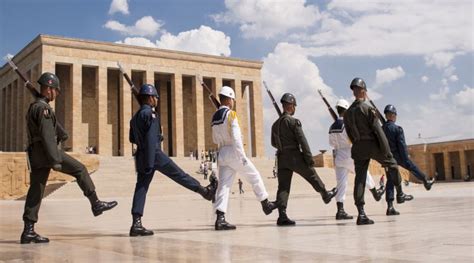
(437,226)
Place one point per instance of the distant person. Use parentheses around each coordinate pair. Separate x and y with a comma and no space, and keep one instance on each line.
(241,189)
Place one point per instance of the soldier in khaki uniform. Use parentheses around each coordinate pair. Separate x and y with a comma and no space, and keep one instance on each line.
(369,142)
(294,155)
(44,155)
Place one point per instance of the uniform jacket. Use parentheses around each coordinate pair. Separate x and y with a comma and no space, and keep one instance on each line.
(43,148)
(145,133)
(226,132)
(339,140)
(288,136)
(362,123)
(396,140)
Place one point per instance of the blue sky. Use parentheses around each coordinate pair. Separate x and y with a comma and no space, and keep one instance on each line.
(417,55)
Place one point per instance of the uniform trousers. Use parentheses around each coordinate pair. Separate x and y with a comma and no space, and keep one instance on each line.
(39,177)
(342,174)
(362,151)
(289,162)
(171,170)
(410,166)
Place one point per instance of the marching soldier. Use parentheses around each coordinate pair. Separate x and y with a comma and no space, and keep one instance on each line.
(398,147)
(145,132)
(369,142)
(44,155)
(339,140)
(232,159)
(294,155)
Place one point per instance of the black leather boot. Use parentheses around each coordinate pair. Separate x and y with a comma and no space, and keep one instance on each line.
(401,196)
(97,206)
(378,193)
(328,195)
(362,218)
(268,206)
(341,214)
(283,219)
(391,210)
(221,224)
(137,228)
(209,192)
(29,235)
(428,183)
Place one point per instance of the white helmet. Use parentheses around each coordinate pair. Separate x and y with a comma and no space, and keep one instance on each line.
(343,104)
(228,92)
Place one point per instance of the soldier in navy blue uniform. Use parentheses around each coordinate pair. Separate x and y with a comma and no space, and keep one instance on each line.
(398,147)
(145,132)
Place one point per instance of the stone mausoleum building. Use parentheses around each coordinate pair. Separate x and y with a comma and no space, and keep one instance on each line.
(96,104)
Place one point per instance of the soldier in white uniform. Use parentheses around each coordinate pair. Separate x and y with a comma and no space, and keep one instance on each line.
(344,164)
(232,159)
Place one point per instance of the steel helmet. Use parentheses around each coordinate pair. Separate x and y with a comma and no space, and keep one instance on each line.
(390,109)
(288,98)
(358,82)
(50,80)
(343,104)
(149,90)
(228,92)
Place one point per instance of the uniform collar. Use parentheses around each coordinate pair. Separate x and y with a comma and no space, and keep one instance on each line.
(43,98)
(145,106)
(224,106)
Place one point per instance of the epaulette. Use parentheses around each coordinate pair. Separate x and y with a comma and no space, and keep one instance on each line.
(219,116)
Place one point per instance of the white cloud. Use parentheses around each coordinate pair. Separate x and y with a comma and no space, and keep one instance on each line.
(120,6)
(288,69)
(453,78)
(145,26)
(388,75)
(441,95)
(465,98)
(268,18)
(425,79)
(437,30)
(137,41)
(203,40)
(444,81)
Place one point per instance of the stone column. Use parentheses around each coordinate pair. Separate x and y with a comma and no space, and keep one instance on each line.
(257,128)
(198,108)
(125,114)
(15,116)
(240,108)
(177,114)
(447,166)
(73,108)
(2,116)
(462,162)
(10,118)
(104,133)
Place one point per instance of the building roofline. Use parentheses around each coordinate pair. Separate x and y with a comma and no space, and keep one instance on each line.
(441,142)
(51,40)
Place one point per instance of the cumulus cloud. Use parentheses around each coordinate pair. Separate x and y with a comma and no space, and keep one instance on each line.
(268,18)
(440,95)
(465,98)
(437,30)
(424,79)
(288,69)
(453,78)
(119,6)
(388,75)
(204,40)
(145,26)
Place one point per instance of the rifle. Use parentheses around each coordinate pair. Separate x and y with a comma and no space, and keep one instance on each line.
(331,111)
(277,108)
(211,95)
(132,86)
(377,111)
(60,131)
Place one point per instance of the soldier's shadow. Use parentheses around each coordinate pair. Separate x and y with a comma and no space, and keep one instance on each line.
(9,241)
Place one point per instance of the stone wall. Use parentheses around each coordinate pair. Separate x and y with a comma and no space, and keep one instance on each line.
(14,175)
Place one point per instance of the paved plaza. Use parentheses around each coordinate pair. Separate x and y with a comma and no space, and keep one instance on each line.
(437,226)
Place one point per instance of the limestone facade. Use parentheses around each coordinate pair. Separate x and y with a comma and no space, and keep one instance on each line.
(96,105)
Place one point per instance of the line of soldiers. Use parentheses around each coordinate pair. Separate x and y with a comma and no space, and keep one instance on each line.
(294,155)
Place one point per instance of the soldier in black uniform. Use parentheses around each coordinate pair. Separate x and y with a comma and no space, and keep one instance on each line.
(398,147)
(145,132)
(369,142)
(44,155)
(294,155)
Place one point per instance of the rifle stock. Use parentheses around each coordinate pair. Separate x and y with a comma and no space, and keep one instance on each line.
(277,108)
(60,131)
(331,111)
(213,98)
